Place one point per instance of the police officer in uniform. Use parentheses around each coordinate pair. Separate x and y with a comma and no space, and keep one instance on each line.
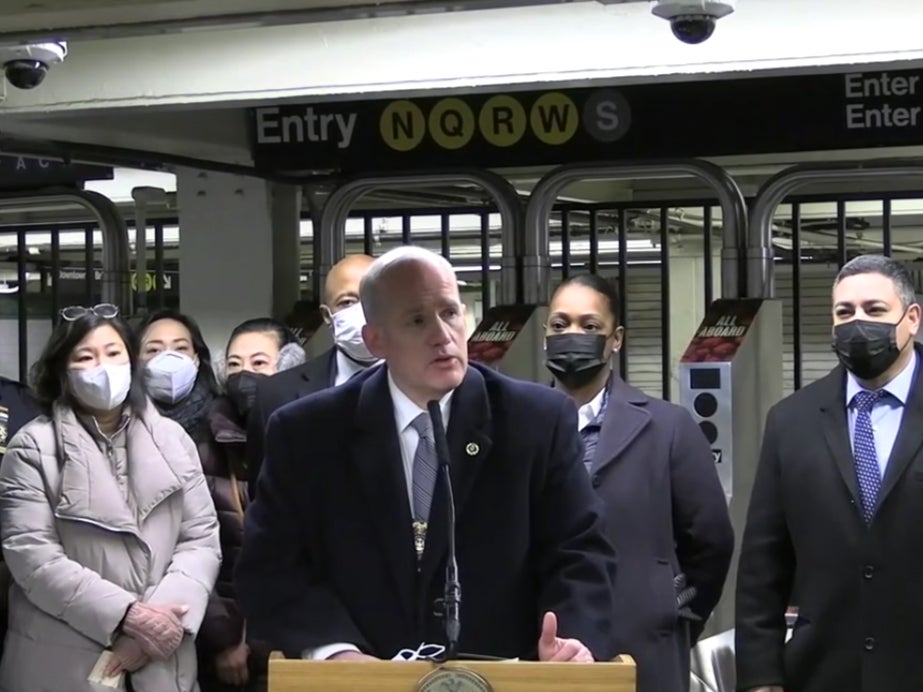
(17,407)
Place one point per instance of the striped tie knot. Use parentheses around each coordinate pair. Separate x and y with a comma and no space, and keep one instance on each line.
(423,425)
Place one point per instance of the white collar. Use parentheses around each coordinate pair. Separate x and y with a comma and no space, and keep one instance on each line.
(590,410)
(405,411)
(899,387)
(347,367)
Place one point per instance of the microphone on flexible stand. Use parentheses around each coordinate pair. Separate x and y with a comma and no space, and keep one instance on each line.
(452,595)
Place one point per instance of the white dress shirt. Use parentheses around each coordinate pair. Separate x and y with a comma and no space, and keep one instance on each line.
(346,368)
(587,413)
(405,412)
(887,413)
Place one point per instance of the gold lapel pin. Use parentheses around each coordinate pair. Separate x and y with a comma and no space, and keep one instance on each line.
(472,449)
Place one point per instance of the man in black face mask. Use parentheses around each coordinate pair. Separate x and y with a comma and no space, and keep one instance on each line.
(835,521)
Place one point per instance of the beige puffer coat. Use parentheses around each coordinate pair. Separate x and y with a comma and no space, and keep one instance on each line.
(90,526)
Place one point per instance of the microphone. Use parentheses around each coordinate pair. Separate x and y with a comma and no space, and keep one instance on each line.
(452,595)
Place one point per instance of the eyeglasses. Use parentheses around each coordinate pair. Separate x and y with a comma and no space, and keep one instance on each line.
(105,310)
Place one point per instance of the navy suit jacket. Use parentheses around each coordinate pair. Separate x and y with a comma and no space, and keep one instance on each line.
(276,391)
(328,549)
(806,544)
(667,515)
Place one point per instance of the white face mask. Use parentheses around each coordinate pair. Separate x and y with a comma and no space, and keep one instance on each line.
(170,376)
(103,388)
(424,652)
(347,332)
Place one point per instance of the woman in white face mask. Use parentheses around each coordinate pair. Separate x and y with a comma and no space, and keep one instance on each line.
(258,348)
(107,525)
(177,371)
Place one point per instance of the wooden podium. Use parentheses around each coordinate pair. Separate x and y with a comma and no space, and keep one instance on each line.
(295,675)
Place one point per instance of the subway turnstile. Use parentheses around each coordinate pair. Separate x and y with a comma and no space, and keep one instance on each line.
(511,339)
(729,377)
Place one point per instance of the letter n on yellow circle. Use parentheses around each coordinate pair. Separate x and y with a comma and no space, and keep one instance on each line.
(402,125)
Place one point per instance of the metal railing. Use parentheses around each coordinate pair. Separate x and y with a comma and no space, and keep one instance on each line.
(330,240)
(114,284)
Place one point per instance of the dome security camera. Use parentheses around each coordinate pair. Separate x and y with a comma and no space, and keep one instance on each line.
(26,65)
(692,21)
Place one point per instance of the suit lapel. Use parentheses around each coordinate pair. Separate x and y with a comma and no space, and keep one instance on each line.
(908,441)
(380,474)
(835,424)
(625,418)
(469,445)
(318,373)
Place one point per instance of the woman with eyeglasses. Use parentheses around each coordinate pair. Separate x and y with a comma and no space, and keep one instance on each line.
(257,349)
(106,523)
(652,466)
(178,370)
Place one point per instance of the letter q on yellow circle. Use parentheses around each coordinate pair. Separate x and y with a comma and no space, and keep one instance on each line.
(554,118)
(402,125)
(451,123)
(502,120)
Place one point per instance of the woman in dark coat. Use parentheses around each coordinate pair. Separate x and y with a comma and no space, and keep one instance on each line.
(667,514)
(228,658)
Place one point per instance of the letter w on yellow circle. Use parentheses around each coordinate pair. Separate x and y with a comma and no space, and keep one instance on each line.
(554,118)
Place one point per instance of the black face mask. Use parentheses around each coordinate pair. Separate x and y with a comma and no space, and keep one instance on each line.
(241,389)
(866,348)
(575,359)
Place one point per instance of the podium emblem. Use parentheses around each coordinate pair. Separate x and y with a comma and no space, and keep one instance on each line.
(451,679)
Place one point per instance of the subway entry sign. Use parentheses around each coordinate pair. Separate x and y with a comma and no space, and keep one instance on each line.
(497,129)
(422,132)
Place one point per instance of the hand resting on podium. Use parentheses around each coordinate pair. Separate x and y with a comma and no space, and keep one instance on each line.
(551,648)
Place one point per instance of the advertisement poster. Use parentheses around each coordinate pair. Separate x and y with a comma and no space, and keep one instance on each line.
(496,333)
(722,331)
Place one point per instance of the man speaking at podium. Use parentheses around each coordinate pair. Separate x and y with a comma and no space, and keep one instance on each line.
(345,547)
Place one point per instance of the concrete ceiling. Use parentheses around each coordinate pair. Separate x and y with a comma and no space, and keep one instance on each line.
(89,19)
(112,80)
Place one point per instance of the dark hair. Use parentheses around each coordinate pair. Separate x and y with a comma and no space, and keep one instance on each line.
(263,325)
(206,375)
(601,285)
(49,373)
(887,267)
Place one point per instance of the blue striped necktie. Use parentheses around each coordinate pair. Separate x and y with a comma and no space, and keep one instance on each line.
(425,468)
